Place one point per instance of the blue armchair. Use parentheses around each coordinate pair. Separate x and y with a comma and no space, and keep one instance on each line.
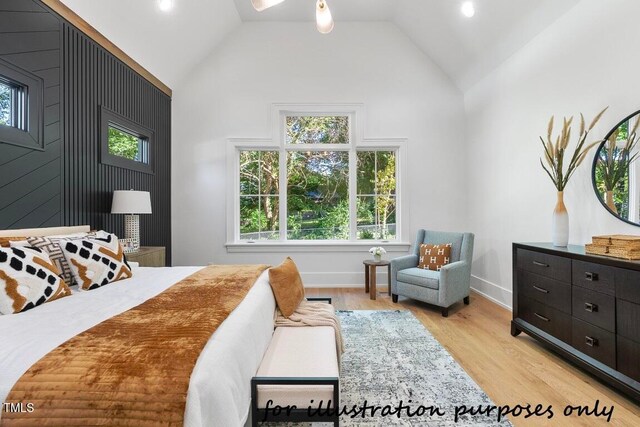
(442,288)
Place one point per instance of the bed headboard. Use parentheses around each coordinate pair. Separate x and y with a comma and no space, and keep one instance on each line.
(48,231)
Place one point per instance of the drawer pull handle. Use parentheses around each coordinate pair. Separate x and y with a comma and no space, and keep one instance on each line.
(591,342)
(591,308)
(541,317)
(540,264)
(544,291)
(591,277)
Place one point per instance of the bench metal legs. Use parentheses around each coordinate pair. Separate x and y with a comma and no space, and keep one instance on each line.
(331,414)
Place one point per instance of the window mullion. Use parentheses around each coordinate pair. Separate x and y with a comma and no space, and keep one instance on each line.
(14,109)
(282,199)
(353,207)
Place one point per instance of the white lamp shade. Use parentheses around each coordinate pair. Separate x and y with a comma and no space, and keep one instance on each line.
(324,21)
(261,5)
(131,202)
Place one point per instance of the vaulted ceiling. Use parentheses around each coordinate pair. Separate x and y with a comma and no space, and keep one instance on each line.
(170,44)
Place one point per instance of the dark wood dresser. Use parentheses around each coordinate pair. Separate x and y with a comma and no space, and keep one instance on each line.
(586,307)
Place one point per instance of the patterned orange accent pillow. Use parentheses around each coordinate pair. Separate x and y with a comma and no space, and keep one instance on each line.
(434,257)
(97,260)
(28,279)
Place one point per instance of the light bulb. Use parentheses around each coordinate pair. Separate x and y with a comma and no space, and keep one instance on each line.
(468,9)
(324,21)
(261,5)
(165,5)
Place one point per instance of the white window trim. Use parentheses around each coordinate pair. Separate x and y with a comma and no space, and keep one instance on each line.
(277,143)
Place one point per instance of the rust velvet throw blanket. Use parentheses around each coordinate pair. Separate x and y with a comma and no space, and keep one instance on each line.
(133,369)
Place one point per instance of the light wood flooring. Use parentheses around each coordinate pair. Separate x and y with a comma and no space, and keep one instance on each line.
(510,370)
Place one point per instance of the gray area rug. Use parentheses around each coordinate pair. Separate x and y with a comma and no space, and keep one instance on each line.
(390,356)
(391,359)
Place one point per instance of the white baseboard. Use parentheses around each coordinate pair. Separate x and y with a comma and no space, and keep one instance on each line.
(353,279)
(493,292)
(350,279)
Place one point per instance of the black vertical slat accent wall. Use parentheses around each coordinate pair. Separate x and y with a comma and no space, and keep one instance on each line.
(66,184)
(30,180)
(93,78)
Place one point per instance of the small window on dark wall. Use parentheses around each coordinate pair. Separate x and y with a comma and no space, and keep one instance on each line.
(21,110)
(11,97)
(125,143)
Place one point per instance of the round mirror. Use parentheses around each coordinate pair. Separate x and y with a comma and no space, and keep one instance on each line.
(616,173)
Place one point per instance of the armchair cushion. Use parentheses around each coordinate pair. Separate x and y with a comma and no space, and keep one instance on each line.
(420,277)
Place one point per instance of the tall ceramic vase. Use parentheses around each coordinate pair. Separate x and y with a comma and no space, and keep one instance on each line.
(560,223)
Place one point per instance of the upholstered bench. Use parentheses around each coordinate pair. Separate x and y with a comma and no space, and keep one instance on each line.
(299,368)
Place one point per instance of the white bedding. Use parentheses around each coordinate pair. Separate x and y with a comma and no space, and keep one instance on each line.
(219,389)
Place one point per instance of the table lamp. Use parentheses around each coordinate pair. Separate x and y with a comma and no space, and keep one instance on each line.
(131,203)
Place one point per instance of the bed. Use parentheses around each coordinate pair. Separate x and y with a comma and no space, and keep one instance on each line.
(219,387)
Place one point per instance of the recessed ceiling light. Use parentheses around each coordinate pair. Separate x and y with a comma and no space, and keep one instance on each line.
(165,5)
(468,9)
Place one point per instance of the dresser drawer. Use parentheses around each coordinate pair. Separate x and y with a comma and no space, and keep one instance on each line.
(545,290)
(594,342)
(550,320)
(594,277)
(629,358)
(594,307)
(555,267)
(628,285)
(628,321)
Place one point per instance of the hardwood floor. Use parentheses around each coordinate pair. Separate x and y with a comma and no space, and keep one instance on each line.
(510,370)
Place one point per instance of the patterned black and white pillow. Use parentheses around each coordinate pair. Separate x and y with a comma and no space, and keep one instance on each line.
(96,260)
(53,247)
(28,279)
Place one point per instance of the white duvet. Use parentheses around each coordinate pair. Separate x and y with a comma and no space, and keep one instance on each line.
(219,389)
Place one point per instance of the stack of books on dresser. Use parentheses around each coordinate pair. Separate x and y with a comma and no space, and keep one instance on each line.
(615,245)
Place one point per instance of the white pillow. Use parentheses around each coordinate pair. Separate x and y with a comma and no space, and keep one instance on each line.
(96,261)
(28,278)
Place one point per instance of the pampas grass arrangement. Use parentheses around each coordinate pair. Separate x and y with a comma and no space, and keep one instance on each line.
(554,166)
(554,152)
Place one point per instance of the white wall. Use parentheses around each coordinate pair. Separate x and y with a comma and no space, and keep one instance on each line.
(230,95)
(582,63)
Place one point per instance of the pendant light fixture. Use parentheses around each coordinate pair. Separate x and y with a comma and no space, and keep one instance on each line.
(261,5)
(324,21)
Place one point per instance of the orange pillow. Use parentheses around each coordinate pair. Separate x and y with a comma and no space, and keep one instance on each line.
(287,287)
(434,257)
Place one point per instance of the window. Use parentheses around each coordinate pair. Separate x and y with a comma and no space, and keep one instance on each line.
(8,107)
(317,129)
(125,143)
(21,109)
(259,190)
(320,183)
(376,205)
(318,195)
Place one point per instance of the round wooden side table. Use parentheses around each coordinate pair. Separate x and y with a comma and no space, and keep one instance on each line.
(370,267)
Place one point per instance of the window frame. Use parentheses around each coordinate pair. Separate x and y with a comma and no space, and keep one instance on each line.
(109,118)
(278,143)
(28,132)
